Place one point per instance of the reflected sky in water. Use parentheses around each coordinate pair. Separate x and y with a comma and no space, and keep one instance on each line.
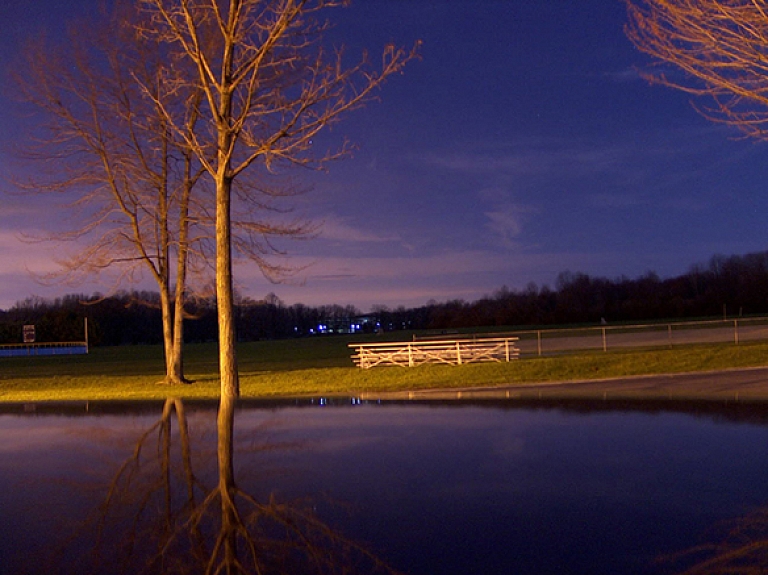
(430,489)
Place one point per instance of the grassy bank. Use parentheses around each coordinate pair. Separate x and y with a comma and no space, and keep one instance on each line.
(322,366)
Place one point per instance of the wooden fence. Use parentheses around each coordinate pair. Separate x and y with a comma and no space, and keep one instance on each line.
(453,352)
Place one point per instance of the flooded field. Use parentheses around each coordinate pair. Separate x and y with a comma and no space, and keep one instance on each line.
(352,487)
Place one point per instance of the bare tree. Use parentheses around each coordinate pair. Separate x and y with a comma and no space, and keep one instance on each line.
(269,87)
(109,146)
(721,48)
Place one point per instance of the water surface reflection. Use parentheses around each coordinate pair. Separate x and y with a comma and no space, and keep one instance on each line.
(570,487)
(167,507)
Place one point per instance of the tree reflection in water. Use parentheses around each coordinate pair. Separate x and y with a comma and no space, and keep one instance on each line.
(158,516)
(741,550)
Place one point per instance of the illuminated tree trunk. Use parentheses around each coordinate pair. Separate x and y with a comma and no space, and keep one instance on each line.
(175,368)
(230,386)
(168,341)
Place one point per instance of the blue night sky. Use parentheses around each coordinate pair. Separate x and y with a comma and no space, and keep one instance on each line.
(522,144)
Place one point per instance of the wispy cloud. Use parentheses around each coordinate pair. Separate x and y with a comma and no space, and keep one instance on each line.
(529,158)
(395,267)
(630,74)
(363,279)
(412,281)
(615,200)
(575,157)
(19,256)
(340,229)
(22,264)
(506,222)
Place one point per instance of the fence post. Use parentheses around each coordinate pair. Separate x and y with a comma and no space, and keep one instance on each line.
(605,344)
(410,356)
(458,353)
(506,349)
(736,331)
(538,338)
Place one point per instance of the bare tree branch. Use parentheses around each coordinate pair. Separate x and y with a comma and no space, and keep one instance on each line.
(720,51)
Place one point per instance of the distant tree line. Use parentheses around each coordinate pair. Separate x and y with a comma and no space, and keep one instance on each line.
(735,285)
(130,318)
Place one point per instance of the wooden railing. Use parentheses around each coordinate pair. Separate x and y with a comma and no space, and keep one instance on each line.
(453,351)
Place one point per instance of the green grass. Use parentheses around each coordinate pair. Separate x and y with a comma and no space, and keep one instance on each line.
(316,366)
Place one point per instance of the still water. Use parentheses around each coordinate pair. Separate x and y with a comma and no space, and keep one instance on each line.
(459,488)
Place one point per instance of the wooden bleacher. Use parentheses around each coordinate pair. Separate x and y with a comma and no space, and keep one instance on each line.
(448,351)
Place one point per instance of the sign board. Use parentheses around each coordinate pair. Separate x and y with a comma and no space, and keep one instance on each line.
(29,334)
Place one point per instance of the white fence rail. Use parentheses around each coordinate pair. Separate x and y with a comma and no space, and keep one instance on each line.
(449,351)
